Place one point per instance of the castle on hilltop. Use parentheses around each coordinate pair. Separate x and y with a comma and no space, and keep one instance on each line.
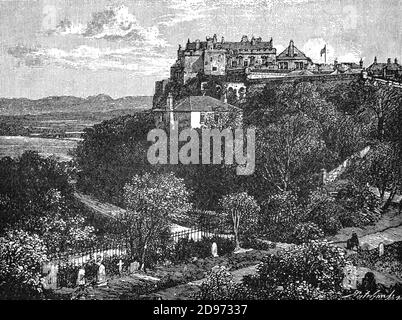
(218,58)
(227,71)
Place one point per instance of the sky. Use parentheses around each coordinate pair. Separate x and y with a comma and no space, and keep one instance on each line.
(120,48)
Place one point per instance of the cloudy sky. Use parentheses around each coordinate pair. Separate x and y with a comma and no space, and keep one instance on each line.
(120,48)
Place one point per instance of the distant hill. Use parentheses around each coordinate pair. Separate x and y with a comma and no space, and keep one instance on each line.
(68,104)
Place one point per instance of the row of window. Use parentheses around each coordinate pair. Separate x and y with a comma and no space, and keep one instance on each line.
(285,65)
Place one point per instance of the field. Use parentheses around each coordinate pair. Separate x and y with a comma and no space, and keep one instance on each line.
(14,146)
(52,130)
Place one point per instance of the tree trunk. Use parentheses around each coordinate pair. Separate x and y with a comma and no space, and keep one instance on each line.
(380,129)
(237,239)
(143,255)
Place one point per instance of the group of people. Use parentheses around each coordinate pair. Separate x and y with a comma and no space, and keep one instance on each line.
(82,284)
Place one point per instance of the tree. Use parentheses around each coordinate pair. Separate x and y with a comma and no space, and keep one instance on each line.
(111,153)
(284,147)
(35,196)
(21,258)
(153,201)
(380,168)
(243,209)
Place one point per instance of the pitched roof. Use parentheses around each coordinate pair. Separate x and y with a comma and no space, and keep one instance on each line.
(287,54)
(381,66)
(203,104)
(300,73)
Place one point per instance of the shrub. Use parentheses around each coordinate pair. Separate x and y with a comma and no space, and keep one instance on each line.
(316,265)
(21,259)
(323,211)
(219,285)
(360,205)
(279,215)
(188,248)
(305,232)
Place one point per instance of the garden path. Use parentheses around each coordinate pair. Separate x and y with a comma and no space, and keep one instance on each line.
(188,290)
(387,230)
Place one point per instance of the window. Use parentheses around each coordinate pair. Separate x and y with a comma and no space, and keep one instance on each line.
(214,68)
(202,117)
(234,64)
(245,63)
(211,59)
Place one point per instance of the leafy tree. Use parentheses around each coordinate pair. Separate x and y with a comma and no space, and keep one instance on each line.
(21,258)
(111,153)
(152,202)
(243,209)
(284,147)
(36,196)
(380,168)
(280,213)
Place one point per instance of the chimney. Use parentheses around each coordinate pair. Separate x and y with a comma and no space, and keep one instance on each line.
(389,61)
(291,48)
(223,40)
(361,63)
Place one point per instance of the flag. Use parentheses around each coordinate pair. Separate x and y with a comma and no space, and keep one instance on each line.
(323,50)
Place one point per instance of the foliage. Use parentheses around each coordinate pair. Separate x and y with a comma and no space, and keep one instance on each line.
(243,209)
(152,201)
(306,231)
(219,285)
(35,196)
(187,249)
(279,215)
(111,153)
(310,268)
(380,168)
(324,211)
(67,273)
(21,259)
(359,203)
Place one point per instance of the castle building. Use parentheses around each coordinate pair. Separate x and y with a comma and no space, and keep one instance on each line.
(233,66)
(390,70)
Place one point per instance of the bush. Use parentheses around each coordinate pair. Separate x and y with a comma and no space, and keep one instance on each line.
(219,285)
(360,205)
(324,212)
(279,215)
(305,268)
(305,232)
(188,248)
(21,258)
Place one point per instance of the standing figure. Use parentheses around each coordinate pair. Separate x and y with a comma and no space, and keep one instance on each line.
(101,275)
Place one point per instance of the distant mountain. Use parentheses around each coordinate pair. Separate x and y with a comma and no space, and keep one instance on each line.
(62,104)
